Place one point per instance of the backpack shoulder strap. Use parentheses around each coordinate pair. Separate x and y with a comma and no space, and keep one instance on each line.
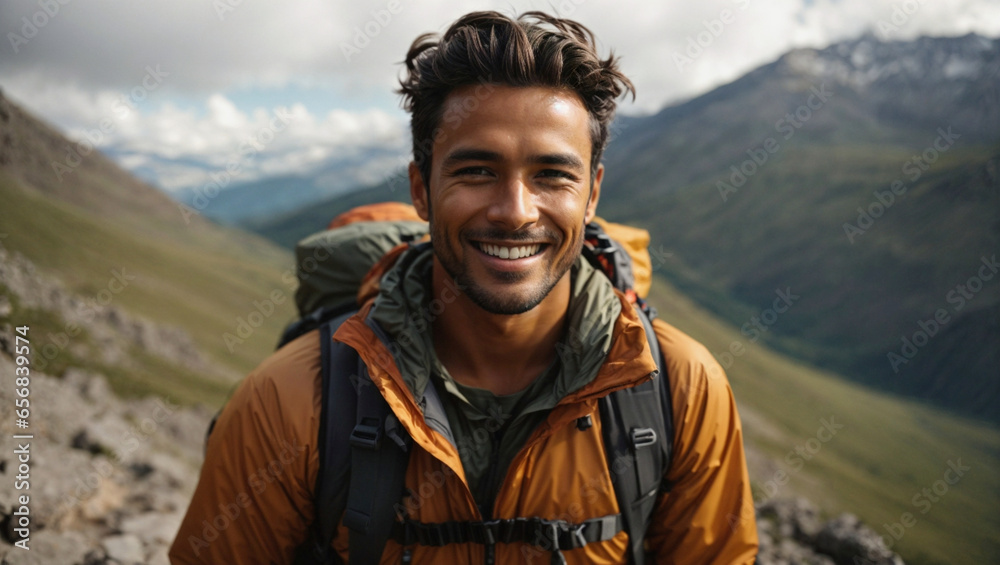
(380,452)
(334,462)
(361,477)
(316,319)
(637,426)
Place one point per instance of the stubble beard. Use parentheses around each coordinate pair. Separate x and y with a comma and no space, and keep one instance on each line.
(497,302)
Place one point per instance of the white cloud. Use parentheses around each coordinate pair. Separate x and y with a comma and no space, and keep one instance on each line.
(87,59)
(180,148)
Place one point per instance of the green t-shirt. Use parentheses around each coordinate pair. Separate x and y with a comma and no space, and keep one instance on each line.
(490,429)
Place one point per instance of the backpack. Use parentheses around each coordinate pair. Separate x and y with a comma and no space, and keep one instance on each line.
(363,445)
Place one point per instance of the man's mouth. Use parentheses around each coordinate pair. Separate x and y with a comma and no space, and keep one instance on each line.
(515,252)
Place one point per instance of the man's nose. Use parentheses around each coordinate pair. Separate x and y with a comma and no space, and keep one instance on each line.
(513,205)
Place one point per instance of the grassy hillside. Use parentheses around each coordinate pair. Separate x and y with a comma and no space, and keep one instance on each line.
(80,219)
(202,289)
(784,228)
(888,451)
(731,239)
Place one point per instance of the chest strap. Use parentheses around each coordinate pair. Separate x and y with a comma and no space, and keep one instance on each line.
(550,535)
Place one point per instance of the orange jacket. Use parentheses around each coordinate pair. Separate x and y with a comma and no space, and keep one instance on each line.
(254,500)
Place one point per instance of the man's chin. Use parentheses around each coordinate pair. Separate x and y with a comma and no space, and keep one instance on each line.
(503,306)
(504,302)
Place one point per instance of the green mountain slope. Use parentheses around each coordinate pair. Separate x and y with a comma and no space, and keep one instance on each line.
(210,281)
(877,466)
(813,174)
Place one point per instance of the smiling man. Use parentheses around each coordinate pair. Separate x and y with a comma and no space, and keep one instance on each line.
(500,389)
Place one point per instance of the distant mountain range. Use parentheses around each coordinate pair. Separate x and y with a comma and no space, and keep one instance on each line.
(230,202)
(863,178)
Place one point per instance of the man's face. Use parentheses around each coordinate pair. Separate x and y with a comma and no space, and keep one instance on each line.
(510,192)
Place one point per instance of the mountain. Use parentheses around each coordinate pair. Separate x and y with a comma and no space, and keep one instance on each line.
(119,243)
(862,179)
(240,203)
(288,228)
(865,178)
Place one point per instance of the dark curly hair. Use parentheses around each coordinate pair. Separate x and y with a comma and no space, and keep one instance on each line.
(535,49)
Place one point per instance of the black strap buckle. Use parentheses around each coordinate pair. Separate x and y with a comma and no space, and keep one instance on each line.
(485,533)
(367,435)
(642,437)
(546,533)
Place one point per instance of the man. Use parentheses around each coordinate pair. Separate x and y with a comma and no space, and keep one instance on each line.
(509,121)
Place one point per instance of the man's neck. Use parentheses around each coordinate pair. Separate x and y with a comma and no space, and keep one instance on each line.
(502,354)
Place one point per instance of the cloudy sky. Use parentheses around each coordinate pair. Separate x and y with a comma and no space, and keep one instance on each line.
(175,89)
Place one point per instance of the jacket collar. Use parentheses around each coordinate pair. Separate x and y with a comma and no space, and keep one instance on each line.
(605,347)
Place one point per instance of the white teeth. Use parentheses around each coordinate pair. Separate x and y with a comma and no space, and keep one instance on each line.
(510,252)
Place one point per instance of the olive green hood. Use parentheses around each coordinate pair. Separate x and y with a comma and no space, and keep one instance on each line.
(405,313)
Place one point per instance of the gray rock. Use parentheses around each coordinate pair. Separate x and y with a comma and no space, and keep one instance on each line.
(849,542)
(92,386)
(159,557)
(47,547)
(125,549)
(153,527)
(791,532)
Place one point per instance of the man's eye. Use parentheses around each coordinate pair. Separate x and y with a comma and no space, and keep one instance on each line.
(472,171)
(556,173)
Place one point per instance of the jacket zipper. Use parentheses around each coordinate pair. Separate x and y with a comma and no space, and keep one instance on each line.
(493,489)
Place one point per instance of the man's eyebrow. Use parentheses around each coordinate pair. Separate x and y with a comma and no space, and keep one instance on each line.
(564,159)
(462,155)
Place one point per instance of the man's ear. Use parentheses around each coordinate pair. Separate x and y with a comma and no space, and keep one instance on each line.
(595,195)
(418,192)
